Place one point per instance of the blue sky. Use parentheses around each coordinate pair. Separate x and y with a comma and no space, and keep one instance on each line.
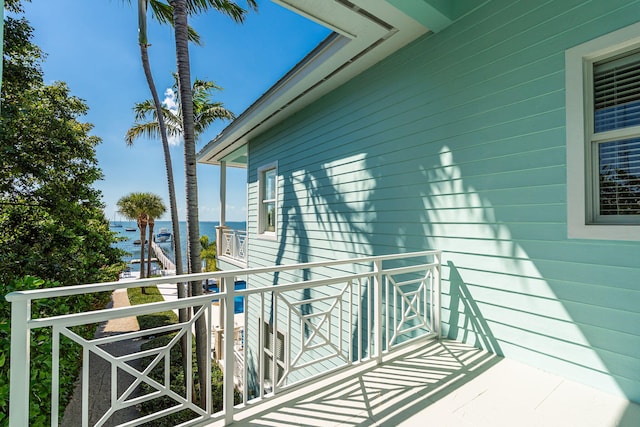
(92,45)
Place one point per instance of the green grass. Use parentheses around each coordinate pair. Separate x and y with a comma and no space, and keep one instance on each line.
(152,294)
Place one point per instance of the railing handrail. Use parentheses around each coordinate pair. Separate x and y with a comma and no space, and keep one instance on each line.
(115,313)
(233,231)
(35,294)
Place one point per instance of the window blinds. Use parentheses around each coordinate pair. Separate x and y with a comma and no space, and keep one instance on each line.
(616,105)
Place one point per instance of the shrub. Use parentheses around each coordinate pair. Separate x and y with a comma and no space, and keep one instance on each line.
(176,371)
(176,376)
(41,343)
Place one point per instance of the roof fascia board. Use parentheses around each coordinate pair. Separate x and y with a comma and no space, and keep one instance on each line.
(265,106)
(433,14)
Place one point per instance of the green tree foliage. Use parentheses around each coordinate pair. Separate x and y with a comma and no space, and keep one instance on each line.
(208,253)
(51,220)
(41,346)
(143,208)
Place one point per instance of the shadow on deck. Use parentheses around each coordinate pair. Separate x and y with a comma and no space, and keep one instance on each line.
(443,383)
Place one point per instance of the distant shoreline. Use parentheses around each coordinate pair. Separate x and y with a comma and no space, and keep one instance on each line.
(207,228)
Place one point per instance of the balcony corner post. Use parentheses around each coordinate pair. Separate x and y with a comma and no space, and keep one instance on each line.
(229,359)
(377,310)
(219,230)
(20,361)
(438,293)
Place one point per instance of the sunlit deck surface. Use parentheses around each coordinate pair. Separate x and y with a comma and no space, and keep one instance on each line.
(443,383)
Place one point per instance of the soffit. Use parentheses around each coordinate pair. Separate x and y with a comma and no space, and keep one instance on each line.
(365,32)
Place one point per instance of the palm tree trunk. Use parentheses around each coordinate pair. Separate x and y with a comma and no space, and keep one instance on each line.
(186,101)
(173,206)
(193,224)
(152,223)
(175,224)
(142,225)
(183,313)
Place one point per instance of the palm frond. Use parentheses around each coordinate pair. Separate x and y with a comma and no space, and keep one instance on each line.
(148,130)
(163,12)
(226,7)
(143,110)
(204,117)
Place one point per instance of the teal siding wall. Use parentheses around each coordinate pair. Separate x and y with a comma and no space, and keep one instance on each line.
(457,142)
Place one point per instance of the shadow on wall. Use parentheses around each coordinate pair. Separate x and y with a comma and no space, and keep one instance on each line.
(466,322)
(516,285)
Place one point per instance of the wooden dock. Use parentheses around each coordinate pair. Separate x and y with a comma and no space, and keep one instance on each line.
(163,259)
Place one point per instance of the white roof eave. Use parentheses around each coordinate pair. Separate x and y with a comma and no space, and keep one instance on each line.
(359,41)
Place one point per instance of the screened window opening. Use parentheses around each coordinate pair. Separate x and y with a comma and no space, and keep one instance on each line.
(268,200)
(270,352)
(616,137)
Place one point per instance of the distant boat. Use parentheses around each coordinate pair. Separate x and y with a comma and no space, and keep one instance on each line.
(137,242)
(130,229)
(113,223)
(163,235)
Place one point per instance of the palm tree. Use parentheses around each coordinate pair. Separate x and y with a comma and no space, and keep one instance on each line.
(150,125)
(164,14)
(155,208)
(137,206)
(161,10)
(208,253)
(180,9)
(206,111)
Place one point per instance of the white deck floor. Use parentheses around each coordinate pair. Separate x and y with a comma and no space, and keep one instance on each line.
(441,384)
(444,383)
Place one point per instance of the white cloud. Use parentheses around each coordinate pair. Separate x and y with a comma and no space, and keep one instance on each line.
(171,102)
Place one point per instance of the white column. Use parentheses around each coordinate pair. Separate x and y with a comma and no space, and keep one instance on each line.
(20,362)
(223,192)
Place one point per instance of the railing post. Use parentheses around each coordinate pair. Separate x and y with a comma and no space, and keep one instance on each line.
(228,373)
(377,310)
(20,363)
(437,282)
(232,243)
(220,249)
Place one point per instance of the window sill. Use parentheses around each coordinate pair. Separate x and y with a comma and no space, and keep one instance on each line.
(605,232)
(267,236)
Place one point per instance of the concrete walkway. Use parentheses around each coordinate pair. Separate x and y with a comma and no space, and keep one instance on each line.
(100,372)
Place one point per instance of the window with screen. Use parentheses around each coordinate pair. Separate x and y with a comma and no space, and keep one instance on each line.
(616,138)
(267,204)
(603,136)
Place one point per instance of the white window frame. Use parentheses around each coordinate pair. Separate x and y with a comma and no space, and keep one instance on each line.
(579,60)
(262,232)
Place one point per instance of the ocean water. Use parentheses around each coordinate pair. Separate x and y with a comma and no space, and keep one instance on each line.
(207,228)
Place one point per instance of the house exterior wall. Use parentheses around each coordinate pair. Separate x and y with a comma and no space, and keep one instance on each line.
(457,142)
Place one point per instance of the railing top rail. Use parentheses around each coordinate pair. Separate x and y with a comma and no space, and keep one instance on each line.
(61,291)
(301,284)
(97,316)
(115,313)
(233,231)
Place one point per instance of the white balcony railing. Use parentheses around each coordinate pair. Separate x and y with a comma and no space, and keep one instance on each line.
(318,318)
(233,244)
